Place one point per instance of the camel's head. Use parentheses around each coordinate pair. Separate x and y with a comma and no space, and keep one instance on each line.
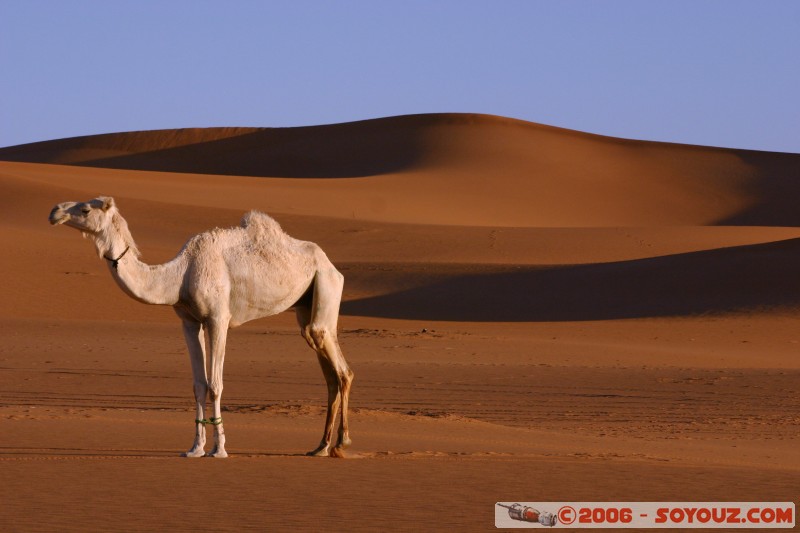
(89,217)
(97,220)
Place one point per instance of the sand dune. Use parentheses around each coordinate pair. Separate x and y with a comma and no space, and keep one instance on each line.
(522,303)
(535,175)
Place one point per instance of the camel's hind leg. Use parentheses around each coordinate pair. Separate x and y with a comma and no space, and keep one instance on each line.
(318,326)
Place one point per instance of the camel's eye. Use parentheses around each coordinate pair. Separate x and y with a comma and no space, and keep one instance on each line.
(86,210)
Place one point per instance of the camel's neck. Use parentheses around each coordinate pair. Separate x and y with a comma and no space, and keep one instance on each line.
(150,284)
(159,284)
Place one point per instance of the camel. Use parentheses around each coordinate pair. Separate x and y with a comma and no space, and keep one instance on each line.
(221,279)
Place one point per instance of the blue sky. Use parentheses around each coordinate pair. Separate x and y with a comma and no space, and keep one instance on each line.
(716,72)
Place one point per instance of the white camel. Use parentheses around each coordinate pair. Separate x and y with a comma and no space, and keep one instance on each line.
(223,278)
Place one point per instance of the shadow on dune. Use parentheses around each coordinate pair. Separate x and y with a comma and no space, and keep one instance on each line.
(354,149)
(282,153)
(764,276)
(777,187)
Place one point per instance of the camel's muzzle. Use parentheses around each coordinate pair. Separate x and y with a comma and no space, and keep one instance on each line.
(57,216)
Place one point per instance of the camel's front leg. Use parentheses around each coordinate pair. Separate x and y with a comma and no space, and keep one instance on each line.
(217,336)
(193,332)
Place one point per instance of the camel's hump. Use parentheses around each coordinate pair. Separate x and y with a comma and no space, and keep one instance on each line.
(260,225)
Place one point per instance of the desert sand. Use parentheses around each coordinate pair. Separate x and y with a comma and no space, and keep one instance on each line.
(532,314)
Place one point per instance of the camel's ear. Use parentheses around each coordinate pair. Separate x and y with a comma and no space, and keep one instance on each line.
(108,202)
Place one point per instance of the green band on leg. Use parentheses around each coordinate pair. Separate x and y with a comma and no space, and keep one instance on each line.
(215,421)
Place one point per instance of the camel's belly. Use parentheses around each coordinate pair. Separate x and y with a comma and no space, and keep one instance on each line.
(265,294)
(241,313)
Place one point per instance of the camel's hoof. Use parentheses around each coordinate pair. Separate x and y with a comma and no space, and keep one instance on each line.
(344,442)
(322,451)
(338,453)
(194,453)
(219,454)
